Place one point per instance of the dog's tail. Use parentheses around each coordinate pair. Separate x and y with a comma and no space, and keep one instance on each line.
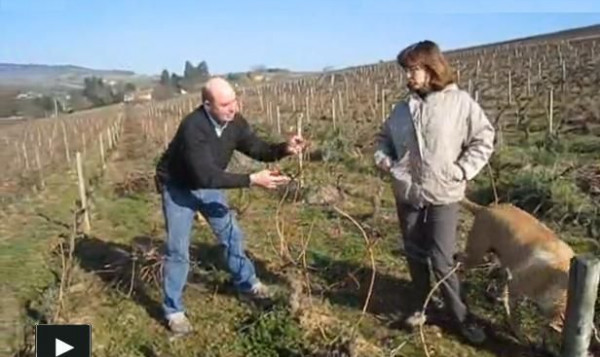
(471,206)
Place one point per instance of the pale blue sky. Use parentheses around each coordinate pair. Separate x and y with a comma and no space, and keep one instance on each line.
(147,36)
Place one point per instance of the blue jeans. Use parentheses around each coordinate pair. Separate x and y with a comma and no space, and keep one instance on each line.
(179,207)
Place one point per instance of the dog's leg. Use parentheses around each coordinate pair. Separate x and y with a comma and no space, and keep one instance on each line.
(477,245)
(505,296)
(506,279)
(514,325)
(509,302)
(497,280)
(551,335)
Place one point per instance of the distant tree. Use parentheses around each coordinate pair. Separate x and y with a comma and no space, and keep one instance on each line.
(234,76)
(79,101)
(193,75)
(9,104)
(260,68)
(46,103)
(189,70)
(130,87)
(175,81)
(276,70)
(99,93)
(38,107)
(164,77)
(202,70)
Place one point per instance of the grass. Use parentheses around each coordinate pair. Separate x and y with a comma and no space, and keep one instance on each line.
(29,232)
(340,273)
(274,333)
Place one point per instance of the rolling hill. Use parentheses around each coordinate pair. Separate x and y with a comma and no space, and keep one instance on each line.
(60,76)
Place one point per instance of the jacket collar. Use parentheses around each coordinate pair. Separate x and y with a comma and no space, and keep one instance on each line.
(414,96)
(214,122)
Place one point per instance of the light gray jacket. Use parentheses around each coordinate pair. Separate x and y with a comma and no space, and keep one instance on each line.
(435,145)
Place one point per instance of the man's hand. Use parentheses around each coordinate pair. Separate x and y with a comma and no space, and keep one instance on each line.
(268,179)
(296,145)
(385,164)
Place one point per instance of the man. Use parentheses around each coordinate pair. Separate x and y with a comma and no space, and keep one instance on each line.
(431,144)
(190,176)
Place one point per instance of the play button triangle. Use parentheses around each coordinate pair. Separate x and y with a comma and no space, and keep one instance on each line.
(61,347)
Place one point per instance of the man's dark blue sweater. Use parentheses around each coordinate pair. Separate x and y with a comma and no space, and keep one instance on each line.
(197,157)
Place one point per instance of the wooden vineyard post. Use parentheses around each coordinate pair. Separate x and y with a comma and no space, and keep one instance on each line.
(102,156)
(307,109)
(510,99)
(278,120)
(25,156)
(66,143)
(383,114)
(528,83)
(564,76)
(551,111)
(269,115)
(333,112)
(50,147)
(82,194)
(116,134)
(262,103)
(301,155)
(584,274)
(166,134)
(39,167)
(109,137)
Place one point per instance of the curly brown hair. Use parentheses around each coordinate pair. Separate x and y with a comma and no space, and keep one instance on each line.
(427,55)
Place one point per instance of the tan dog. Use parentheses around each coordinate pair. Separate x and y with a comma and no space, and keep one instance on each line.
(536,259)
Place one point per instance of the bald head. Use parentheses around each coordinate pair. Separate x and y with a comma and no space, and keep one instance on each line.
(219,99)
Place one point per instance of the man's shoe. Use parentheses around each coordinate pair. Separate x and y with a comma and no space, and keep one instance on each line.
(472,333)
(415,319)
(179,324)
(258,293)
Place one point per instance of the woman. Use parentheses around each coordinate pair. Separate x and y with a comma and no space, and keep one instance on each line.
(432,144)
